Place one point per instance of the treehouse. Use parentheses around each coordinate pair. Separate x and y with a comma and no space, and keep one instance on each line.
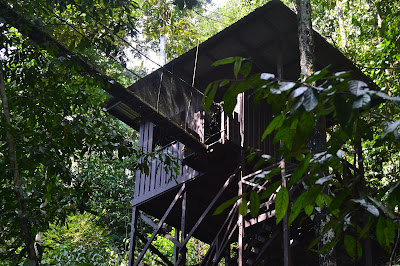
(165,107)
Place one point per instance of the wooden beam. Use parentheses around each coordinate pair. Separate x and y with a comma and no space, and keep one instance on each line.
(133,235)
(173,239)
(148,220)
(155,232)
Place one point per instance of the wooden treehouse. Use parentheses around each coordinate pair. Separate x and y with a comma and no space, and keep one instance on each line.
(165,107)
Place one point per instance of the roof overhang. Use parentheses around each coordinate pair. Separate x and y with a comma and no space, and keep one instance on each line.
(268,36)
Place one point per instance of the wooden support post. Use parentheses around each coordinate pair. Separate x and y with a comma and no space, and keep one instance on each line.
(285,224)
(183,231)
(176,247)
(241,243)
(285,230)
(133,236)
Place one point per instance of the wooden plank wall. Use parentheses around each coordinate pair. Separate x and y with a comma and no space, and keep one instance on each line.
(247,124)
(257,118)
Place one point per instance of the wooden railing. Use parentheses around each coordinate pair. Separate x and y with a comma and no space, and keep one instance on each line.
(160,177)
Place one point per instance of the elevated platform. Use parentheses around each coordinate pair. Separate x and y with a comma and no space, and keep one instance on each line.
(217,166)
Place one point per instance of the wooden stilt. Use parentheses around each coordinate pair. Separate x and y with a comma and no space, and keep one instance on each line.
(176,247)
(183,232)
(240,261)
(285,230)
(286,236)
(133,236)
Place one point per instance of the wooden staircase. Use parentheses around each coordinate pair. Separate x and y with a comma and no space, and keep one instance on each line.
(260,235)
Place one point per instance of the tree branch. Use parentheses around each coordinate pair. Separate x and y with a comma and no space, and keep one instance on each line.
(12,148)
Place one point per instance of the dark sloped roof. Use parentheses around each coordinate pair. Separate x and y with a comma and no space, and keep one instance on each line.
(262,35)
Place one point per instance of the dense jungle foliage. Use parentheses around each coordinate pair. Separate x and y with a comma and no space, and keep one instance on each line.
(67,176)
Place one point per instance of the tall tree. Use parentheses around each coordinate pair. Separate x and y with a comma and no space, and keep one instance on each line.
(52,122)
(316,143)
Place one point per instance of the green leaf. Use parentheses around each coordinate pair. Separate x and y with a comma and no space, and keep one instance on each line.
(29,263)
(267,76)
(230,98)
(366,228)
(300,170)
(227,204)
(385,233)
(251,157)
(246,69)
(296,104)
(309,209)
(312,194)
(344,110)
(358,87)
(210,97)
(281,204)
(296,208)
(226,61)
(243,208)
(306,125)
(270,190)
(338,199)
(224,82)
(317,75)
(361,101)
(350,244)
(298,92)
(254,204)
(206,92)
(237,66)
(391,127)
(285,86)
(275,124)
(310,100)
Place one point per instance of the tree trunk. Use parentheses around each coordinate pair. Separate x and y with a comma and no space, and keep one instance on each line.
(306,38)
(342,29)
(317,140)
(26,228)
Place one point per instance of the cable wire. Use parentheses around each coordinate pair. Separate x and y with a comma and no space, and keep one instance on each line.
(139,52)
(96,45)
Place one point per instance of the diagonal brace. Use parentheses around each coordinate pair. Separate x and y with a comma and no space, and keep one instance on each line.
(184,242)
(155,232)
(155,250)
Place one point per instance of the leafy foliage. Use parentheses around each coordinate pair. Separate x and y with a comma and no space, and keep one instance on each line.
(80,241)
(351,121)
(57,124)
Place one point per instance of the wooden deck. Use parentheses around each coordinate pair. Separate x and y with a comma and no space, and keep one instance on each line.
(159,179)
